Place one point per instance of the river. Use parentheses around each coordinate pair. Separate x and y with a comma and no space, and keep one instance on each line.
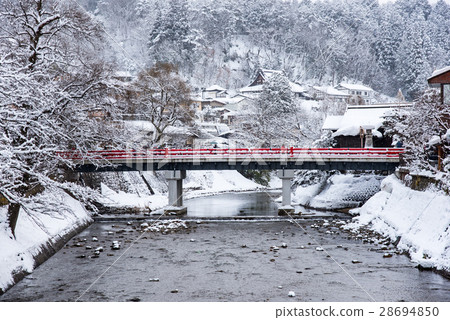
(227,260)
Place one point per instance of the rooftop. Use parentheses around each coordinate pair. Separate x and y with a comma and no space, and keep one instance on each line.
(356,87)
(215,88)
(438,72)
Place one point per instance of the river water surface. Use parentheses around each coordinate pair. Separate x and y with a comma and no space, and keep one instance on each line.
(257,260)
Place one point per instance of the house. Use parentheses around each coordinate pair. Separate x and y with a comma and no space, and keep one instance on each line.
(256,87)
(362,126)
(359,94)
(441,79)
(328,93)
(214,92)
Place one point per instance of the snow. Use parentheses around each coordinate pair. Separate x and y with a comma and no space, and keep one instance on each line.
(339,191)
(147,126)
(434,140)
(438,72)
(330,91)
(420,219)
(215,88)
(355,87)
(360,116)
(446,136)
(332,123)
(112,198)
(33,230)
(233,100)
(296,88)
(257,88)
(197,183)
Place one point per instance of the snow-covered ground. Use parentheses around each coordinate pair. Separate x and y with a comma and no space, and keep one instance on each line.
(34,230)
(420,220)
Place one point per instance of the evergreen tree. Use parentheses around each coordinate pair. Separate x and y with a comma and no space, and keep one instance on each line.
(412,57)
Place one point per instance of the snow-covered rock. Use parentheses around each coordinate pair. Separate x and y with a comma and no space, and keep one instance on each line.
(339,191)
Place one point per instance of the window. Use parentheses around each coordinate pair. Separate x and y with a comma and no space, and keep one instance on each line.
(365,93)
(358,93)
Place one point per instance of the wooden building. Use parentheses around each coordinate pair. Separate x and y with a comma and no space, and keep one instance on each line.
(360,124)
(441,79)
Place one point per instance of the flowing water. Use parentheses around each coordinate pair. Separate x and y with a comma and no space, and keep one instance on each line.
(256,260)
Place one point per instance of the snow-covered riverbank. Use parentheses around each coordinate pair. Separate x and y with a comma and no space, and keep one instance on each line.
(418,221)
(37,233)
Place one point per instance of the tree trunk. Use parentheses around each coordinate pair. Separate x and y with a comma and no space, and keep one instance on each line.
(13,215)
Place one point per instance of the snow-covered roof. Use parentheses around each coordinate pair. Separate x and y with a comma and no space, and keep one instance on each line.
(123,74)
(215,88)
(296,88)
(268,73)
(439,72)
(356,87)
(361,116)
(149,127)
(332,123)
(257,88)
(230,100)
(330,91)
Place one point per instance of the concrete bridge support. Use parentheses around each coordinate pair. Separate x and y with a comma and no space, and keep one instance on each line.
(286,177)
(175,180)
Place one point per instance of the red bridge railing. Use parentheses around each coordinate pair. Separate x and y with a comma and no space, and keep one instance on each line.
(290,152)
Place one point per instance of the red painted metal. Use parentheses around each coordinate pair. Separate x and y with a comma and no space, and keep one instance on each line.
(339,153)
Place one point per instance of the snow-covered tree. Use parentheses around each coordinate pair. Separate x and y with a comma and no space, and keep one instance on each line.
(412,59)
(275,113)
(162,97)
(428,119)
(55,95)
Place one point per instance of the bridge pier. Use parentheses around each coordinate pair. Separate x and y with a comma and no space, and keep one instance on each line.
(175,182)
(286,177)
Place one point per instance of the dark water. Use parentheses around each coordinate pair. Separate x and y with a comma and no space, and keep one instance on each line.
(227,261)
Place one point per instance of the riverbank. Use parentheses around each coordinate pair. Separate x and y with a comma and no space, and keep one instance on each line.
(417,221)
(38,235)
(226,261)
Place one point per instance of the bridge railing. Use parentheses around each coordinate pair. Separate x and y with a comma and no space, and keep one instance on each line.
(215,153)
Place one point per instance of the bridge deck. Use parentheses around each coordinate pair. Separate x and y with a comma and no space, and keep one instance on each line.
(237,159)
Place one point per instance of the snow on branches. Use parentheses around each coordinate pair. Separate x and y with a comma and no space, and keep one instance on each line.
(55,94)
(421,128)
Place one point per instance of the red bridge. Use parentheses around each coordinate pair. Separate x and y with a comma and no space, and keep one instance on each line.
(237,159)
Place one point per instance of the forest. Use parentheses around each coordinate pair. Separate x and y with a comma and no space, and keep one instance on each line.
(388,46)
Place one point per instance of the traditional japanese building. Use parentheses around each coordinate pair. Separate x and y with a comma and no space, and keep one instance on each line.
(441,79)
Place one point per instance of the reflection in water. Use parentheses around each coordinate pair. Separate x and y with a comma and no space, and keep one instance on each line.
(234,204)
